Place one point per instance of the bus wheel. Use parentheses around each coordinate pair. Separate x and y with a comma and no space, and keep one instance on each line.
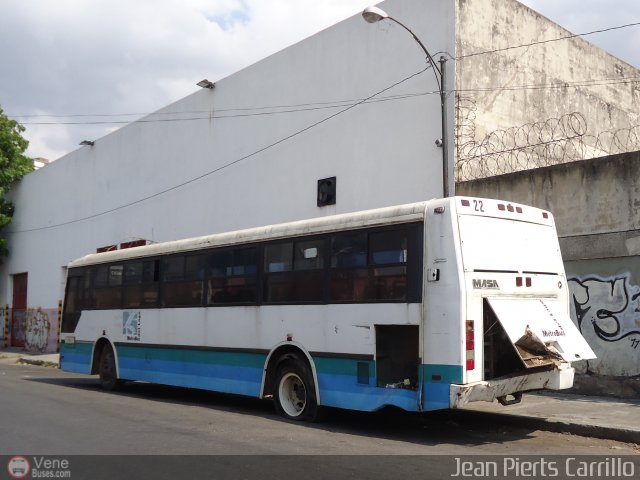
(108,374)
(295,393)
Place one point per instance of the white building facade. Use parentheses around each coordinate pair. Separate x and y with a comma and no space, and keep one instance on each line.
(250,151)
(356,101)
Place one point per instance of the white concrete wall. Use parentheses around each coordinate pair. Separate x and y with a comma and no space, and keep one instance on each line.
(513,98)
(382,152)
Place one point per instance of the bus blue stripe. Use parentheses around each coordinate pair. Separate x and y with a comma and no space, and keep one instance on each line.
(76,357)
(241,373)
(436,384)
(222,378)
(343,391)
(339,387)
(192,369)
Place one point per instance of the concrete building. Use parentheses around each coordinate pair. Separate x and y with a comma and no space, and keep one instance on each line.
(357,102)
(596,204)
(554,98)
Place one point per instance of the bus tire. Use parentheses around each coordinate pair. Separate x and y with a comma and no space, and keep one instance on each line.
(107,369)
(295,392)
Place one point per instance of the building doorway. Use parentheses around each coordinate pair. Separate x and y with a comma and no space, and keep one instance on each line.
(19,310)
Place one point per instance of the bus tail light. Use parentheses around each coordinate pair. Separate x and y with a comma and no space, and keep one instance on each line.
(470,345)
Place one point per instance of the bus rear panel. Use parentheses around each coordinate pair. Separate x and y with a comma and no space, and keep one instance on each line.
(514,330)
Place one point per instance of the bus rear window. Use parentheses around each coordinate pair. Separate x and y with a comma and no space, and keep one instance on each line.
(497,244)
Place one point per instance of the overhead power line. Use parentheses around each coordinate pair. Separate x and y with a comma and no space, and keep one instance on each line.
(541,42)
(279,110)
(208,115)
(227,165)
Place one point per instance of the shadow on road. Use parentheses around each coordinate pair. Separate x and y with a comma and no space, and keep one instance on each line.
(430,428)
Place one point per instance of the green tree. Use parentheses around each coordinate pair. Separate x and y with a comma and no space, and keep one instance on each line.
(14,164)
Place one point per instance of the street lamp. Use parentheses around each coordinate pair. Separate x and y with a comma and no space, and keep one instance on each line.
(206,84)
(375,14)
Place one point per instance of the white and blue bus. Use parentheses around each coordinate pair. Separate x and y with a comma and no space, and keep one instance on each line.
(423,306)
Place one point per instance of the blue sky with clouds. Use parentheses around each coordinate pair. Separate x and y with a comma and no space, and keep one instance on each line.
(111,57)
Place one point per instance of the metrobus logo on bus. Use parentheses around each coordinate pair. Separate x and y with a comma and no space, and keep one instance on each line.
(485,284)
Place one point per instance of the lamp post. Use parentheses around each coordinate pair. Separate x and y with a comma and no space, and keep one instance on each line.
(375,14)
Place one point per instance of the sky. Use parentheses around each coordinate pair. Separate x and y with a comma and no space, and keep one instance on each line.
(70,66)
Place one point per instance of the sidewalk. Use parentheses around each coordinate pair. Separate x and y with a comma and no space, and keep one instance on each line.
(17,355)
(590,416)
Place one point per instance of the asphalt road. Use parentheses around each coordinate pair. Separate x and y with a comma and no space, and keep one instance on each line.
(47,411)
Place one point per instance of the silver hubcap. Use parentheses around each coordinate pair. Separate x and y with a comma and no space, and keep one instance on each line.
(292,394)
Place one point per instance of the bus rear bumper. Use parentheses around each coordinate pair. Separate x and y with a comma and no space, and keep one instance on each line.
(559,378)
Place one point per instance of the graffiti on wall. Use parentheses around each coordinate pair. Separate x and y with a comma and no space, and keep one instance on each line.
(35,329)
(38,328)
(607,311)
(18,324)
(610,305)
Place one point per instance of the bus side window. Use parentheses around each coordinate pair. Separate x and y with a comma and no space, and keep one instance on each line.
(232,276)
(107,286)
(349,250)
(388,247)
(87,295)
(308,265)
(72,302)
(294,271)
(141,287)
(151,283)
(349,278)
(388,257)
(278,263)
(369,266)
(182,280)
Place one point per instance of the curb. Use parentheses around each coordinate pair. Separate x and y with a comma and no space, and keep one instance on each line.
(39,363)
(559,426)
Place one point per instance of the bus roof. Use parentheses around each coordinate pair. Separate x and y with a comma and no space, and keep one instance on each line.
(412,212)
(486,207)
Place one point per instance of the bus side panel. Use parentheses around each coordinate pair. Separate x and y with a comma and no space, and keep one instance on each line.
(343,384)
(222,371)
(436,385)
(444,307)
(76,357)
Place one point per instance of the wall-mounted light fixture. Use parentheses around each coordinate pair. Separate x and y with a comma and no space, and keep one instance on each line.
(87,142)
(206,84)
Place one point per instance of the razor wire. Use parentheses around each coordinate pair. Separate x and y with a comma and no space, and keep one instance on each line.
(533,145)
